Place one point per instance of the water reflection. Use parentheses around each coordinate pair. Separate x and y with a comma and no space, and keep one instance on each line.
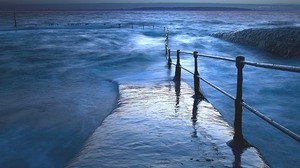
(237,150)
(177,92)
(194,110)
(194,116)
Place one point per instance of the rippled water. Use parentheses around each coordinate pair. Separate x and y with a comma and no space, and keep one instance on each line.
(60,73)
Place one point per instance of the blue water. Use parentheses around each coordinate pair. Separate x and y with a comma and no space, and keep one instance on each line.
(60,73)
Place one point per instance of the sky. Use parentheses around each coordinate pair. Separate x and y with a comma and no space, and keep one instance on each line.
(160,1)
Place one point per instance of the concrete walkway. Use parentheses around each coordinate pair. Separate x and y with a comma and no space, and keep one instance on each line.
(163,126)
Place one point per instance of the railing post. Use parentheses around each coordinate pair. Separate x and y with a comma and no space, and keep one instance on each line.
(167,41)
(166,48)
(238,133)
(169,59)
(196,77)
(178,67)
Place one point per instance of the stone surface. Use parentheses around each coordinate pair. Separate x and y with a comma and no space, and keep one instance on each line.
(283,42)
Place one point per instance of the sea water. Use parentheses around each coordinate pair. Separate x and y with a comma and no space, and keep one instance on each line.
(60,72)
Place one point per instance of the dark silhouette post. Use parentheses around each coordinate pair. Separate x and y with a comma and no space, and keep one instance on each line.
(169,59)
(119,25)
(177,92)
(166,46)
(167,41)
(238,134)
(178,67)
(194,117)
(196,77)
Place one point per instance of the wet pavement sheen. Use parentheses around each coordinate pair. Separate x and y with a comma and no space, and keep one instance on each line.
(163,126)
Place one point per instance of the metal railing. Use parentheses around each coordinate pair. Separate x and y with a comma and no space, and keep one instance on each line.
(132,25)
(238,99)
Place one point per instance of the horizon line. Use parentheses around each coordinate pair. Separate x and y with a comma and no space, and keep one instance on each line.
(66,3)
(133,6)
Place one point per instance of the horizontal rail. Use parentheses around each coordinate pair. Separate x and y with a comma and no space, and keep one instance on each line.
(187,70)
(274,66)
(219,89)
(184,69)
(272,122)
(210,56)
(186,52)
(256,64)
(217,57)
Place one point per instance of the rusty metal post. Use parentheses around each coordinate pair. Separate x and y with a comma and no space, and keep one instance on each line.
(238,132)
(178,67)
(196,77)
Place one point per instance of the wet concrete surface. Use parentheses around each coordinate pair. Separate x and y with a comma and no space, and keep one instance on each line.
(162,125)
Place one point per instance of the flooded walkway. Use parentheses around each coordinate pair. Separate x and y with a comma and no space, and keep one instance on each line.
(163,126)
